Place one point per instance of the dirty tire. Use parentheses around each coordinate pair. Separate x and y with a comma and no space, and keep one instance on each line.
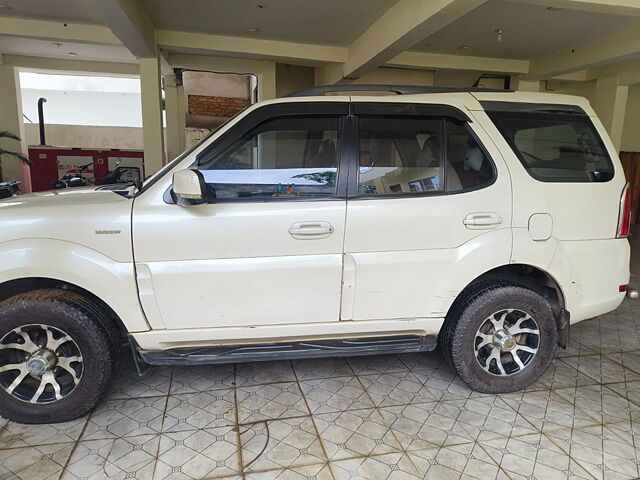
(91,331)
(458,336)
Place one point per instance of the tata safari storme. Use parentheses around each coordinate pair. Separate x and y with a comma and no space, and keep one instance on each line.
(481,222)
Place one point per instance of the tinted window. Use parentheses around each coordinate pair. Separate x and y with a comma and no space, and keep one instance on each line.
(556,147)
(468,165)
(283,157)
(399,155)
(408,155)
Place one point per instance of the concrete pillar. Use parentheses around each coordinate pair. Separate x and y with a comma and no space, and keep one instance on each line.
(267,81)
(11,120)
(175,115)
(610,103)
(152,131)
(524,85)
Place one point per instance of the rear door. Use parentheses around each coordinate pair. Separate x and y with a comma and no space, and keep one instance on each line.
(429,207)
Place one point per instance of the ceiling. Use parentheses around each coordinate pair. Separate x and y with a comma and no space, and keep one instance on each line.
(327,22)
(530,31)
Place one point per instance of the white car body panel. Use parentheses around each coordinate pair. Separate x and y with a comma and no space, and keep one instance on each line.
(80,236)
(232,272)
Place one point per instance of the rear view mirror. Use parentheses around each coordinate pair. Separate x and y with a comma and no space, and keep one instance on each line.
(189,188)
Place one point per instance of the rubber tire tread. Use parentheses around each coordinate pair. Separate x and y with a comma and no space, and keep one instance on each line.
(463,313)
(67,310)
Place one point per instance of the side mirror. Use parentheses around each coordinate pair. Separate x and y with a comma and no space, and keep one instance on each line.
(189,188)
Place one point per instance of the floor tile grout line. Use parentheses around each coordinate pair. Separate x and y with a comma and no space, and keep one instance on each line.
(313,421)
(75,444)
(568,454)
(237,424)
(499,465)
(164,415)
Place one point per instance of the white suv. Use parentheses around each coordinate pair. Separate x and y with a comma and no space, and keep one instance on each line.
(311,226)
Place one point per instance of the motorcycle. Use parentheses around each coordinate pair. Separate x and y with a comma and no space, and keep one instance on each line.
(75,179)
(117,175)
(9,189)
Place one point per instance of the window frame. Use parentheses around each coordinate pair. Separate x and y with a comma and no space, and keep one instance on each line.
(409,110)
(263,114)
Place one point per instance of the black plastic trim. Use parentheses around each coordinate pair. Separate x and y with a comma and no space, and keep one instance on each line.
(286,350)
(409,109)
(399,89)
(496,106)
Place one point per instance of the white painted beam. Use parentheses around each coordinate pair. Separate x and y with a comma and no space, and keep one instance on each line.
(400,28)
(202,43)
(75,66)
(618,7)
(433,61)
(48,30)
(129,22)
(612,49)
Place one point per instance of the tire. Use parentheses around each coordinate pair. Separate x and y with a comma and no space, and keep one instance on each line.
(81,339)
(481,349)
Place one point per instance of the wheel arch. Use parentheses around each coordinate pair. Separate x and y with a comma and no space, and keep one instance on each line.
(527,276)
(16,286)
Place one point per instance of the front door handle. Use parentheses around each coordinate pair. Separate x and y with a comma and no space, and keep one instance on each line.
(310,230)
(482,220)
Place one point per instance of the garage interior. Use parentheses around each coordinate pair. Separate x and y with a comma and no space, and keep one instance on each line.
(388,417)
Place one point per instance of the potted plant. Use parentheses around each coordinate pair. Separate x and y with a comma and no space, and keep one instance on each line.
(18,155)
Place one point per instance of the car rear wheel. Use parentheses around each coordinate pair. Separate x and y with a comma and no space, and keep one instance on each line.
(57,356)
(500,338)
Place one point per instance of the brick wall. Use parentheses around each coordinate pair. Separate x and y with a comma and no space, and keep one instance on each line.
(216,106)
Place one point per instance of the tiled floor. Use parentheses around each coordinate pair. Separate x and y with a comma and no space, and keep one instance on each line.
(387,417)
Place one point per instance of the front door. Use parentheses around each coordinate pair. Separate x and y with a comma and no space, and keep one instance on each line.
(429,208)
(267,247)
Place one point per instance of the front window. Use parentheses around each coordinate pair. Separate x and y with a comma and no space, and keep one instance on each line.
(556,147)
(284,157)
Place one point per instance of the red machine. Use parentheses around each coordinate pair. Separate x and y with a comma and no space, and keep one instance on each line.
(51,163)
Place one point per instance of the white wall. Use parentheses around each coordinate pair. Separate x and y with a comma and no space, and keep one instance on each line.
(85,136)
(70,107)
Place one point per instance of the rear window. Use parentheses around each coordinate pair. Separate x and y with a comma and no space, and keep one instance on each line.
(556,146)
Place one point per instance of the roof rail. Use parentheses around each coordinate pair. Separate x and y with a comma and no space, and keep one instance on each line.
(399,89)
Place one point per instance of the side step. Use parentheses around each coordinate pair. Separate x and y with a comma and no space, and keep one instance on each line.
(282,351)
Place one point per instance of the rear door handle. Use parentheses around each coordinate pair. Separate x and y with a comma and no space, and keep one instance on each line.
(310,230)
(482,220)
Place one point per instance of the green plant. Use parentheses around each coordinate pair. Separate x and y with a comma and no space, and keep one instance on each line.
(18,155)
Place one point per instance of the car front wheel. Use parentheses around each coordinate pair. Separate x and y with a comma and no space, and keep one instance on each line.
(56,356)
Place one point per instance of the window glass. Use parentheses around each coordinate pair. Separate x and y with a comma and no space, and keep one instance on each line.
(467,163)
(284,157)
(556,147)
(399,155)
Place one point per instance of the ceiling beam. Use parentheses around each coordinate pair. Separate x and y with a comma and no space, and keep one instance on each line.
(433,61)
(616,7)
(612,49)
(249,47)
(76,66)
(129,22)
(48,30)
(400,28)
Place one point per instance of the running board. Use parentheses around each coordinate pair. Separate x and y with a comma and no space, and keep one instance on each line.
(282,351)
